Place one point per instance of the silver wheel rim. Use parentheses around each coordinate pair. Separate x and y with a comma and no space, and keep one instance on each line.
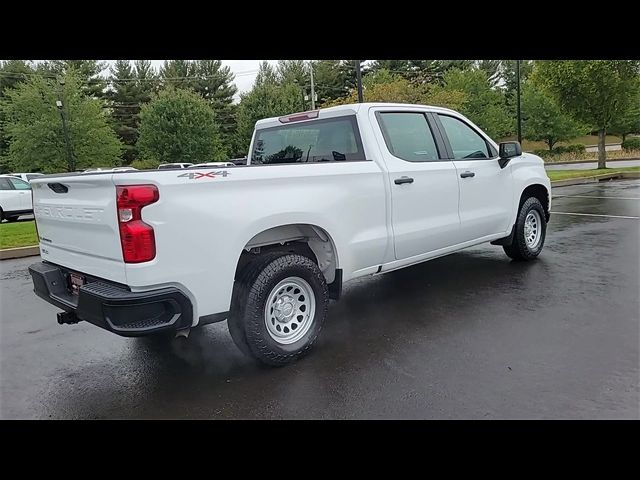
(532,229)
(289,311)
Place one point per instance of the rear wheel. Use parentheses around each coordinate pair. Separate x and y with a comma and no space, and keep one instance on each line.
(530,231)
(279,306)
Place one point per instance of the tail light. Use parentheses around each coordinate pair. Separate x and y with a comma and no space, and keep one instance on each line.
(137,238)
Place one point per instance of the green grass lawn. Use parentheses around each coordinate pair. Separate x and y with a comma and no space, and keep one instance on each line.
(565,174)
(587,140)
(18,234)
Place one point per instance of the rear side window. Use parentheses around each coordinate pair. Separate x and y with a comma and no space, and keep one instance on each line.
(4,184)
(408,136)
(465,142)
(19,184)
(329,140)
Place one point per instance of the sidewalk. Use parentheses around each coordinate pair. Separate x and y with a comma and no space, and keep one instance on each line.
(591,164)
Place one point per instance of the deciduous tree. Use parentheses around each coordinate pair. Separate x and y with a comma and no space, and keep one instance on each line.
(543,120)
(35,131)
(179,126)
(484,105)
(595,92)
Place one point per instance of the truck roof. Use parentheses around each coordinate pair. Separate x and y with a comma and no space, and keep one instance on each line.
(349,109)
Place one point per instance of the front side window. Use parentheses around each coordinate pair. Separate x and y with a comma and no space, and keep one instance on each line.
(465,142)
(19,184)
(329,140)
(408,136)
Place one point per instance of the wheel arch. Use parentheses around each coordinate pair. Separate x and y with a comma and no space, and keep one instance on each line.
(308,239)
(539,191)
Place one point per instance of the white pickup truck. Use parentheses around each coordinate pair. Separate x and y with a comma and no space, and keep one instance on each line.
(327,196)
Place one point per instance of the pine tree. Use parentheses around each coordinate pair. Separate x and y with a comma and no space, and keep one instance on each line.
(87,71)
(214,83)
(124,99)
(294,71)
(266,75)
(177,73)
(147,78)
(333,79)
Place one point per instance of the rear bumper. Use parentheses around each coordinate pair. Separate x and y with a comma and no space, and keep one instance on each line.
(113,306)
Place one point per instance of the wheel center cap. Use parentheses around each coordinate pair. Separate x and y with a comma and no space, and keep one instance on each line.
(284,309)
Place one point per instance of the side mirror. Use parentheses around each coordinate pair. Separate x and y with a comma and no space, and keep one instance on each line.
(507,151)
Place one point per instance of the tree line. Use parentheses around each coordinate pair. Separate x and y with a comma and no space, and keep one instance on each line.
(185,110)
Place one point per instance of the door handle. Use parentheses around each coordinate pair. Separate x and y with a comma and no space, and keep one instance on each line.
(401,180)
(467,174)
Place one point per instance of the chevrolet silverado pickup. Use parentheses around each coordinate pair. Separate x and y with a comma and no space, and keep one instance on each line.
(326,196)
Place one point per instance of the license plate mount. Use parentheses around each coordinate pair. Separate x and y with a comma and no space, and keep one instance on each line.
(75,282)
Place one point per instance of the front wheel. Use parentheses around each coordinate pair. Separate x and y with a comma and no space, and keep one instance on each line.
(279,307)
(530,231)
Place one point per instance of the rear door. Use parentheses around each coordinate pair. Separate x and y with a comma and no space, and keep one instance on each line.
(486,190)
(424,184)
(77,224)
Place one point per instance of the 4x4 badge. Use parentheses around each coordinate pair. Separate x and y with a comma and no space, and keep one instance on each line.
(196,175)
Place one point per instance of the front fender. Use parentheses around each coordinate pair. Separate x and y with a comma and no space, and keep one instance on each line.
(528,170)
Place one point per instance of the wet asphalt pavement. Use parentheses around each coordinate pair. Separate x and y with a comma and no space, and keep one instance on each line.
(471,335)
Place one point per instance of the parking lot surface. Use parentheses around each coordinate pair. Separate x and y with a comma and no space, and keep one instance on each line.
(471,335)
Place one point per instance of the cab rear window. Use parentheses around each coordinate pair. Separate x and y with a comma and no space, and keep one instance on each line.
(326,140)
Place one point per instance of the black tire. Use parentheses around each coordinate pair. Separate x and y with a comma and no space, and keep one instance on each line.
(251,291)
(519,249)
(1,215)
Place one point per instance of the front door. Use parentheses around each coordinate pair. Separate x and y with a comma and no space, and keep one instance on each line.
(9,198)
(23,193)
(486,190)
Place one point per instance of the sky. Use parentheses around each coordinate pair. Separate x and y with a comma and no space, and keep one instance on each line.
(245,71)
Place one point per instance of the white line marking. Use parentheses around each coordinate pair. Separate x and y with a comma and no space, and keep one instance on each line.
(595,215)
(593,196)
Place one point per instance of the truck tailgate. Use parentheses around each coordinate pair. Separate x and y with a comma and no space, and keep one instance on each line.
(76,217)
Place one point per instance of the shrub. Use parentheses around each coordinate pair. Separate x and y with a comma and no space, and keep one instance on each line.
(543,153)
(573,148)
(145,164)
(631,144)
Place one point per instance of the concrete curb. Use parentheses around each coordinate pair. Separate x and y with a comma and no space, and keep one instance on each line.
(19,252)
(634,159)
(594,179)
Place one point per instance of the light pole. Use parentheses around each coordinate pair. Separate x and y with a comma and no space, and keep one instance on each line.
(518,101)
(302,95)
(313,89)
(71,163)
(359,80)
